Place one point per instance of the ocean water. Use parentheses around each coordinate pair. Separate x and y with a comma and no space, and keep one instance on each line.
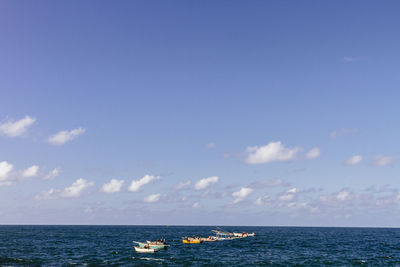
(272,246)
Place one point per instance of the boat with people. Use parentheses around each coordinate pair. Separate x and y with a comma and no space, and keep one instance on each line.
(145,249)
(208,239)
(158,244)
(223,235)
(192,240)
(242,235)
(158,241)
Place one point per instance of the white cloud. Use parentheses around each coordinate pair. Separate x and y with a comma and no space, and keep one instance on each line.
(259,201)
(354,160)
(50,194)
(75,190)
(137,184)
(32,171)
(382,161)
(262,200)
(313,153)
(5,169)
(54,173)
(8,177)
(343,196)
(63,137)
(242,194)
(210,145)
(274,151)
(292,191)
(289,195)
(113,186)
(375,201)
(182,185)
(152,198)
(16,128)
(205,182)
(196,205)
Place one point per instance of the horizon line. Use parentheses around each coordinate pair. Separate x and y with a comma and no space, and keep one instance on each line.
(204,225)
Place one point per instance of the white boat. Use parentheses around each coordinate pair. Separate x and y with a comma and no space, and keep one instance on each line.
(241,235)
(145,249)
(220,235)
(151,244)
(158,244)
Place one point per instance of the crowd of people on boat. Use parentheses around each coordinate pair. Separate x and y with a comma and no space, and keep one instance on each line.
(153,246)
(160,241)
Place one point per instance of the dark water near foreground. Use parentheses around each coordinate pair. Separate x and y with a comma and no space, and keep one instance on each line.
(112,245)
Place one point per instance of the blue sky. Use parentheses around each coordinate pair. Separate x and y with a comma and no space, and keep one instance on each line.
(199,112)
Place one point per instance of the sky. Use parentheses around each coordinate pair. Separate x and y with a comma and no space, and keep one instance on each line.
(271,113)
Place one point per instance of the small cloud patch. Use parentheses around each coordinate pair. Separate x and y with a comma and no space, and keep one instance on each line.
(313,153)
(206,182)
(137,184)
(32,171)
(63,137)
(16,128)
(73,191)
(274,151)
(54,173)
(5,170)
(113,186)
(182,185)
(243,193)
(354,160)
(152,198)
(382,161)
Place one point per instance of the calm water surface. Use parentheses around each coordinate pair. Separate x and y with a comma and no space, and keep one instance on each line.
(273,246)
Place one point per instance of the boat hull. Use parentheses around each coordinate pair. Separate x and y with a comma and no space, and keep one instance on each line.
(192,241)
(145,250)
(224,238)
(208,239)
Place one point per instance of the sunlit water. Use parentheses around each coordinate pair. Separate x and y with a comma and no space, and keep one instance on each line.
(112,245)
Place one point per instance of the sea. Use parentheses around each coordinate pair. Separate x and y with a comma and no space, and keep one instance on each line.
(271,246)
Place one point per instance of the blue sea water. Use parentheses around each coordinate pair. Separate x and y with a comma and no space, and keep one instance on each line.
(272,246)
